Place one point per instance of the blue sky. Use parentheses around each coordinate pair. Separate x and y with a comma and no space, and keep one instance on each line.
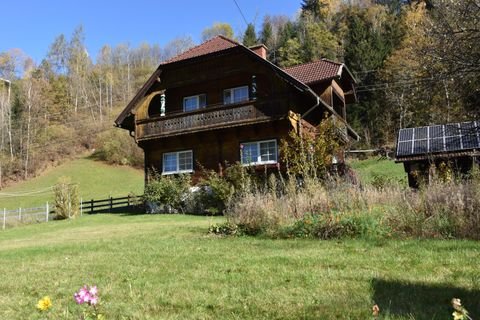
(32,25)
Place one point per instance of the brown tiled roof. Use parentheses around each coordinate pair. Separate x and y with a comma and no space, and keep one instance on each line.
(312,72)
(216,44)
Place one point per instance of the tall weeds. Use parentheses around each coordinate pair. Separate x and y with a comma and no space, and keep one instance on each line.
(441,210)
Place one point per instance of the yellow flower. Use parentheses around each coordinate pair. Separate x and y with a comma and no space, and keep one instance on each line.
(44,304)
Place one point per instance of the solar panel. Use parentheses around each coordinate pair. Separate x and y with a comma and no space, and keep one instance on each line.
(438,138)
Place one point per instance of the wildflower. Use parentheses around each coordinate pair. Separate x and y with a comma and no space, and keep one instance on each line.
(93,290)
(457,304)
(460,312)
(44,304)
(375,310)
(86,295)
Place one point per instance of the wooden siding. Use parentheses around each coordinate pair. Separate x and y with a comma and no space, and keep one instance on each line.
(212,149)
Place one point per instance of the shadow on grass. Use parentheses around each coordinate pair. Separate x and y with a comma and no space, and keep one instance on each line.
(121,210)
(422,301)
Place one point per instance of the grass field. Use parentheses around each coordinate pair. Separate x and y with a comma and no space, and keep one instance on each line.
(95,179)
(371,167)
(167,267)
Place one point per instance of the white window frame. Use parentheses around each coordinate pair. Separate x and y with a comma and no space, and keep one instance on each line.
(177,156)
(232,95)
(258,161)
(197,99)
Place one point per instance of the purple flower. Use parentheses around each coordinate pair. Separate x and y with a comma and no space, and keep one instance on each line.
(86,295)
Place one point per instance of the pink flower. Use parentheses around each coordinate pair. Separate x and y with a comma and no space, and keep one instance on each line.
(78,299)
(93,290)
(86,295)
(83,292)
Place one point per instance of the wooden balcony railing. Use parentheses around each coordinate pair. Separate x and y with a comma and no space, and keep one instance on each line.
(208,118)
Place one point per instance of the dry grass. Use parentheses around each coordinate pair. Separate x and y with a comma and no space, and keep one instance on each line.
(440,210)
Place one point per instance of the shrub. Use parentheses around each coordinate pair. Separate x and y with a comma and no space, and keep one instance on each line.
(118,147)
(66,199)
(170,192)
(214,194)
(226,229)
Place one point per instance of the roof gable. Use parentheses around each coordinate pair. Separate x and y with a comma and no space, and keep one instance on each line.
(318,71)
(215,44)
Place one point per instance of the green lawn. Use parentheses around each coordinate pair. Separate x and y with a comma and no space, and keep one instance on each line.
(167,267)
(371,167)
(96,180)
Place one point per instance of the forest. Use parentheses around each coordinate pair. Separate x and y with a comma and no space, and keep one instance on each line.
(416,63)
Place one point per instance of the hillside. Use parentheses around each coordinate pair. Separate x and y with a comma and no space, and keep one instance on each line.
(372,168)
(95,179)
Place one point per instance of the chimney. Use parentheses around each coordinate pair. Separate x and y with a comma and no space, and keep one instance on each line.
(260,49)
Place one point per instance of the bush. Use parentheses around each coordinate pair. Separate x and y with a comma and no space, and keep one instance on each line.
(117,147)
(66,199)
(169,193)
(226,229)
(214,194)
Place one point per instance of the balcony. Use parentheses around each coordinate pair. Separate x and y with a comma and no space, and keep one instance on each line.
(211,117)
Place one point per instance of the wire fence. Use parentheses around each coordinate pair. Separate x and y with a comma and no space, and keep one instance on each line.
(46,213)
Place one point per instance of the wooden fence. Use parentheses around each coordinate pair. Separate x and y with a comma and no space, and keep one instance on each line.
(46,213)
(110,204)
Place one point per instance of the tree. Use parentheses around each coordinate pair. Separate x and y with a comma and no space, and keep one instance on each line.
(218,28)
(291,53)
(250,37)
(318,41)
(177,46)
(57,55)
(271,34)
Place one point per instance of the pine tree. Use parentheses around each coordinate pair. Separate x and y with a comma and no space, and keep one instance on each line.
(250,37)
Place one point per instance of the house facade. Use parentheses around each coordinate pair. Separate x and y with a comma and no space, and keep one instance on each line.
(221,102)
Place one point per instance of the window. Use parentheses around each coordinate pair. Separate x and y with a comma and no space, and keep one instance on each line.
(259,152)
(178,162)
(235,95)
(192,103)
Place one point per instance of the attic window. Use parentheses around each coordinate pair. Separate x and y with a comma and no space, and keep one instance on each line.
(235,95)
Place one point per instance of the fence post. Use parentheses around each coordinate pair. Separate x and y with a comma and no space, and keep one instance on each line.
(81,207)
(91,206)
(4,217)
(46,212)
(111,203)
(128,201)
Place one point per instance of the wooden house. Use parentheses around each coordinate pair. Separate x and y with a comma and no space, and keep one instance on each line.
(423,150)
(221,102)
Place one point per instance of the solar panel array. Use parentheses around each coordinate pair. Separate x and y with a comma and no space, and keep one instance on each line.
(438,138)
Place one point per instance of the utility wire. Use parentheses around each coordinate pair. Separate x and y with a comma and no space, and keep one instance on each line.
(26,193)
(240,10)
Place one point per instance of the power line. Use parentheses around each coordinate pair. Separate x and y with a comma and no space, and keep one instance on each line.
(26,193)
(240,10)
